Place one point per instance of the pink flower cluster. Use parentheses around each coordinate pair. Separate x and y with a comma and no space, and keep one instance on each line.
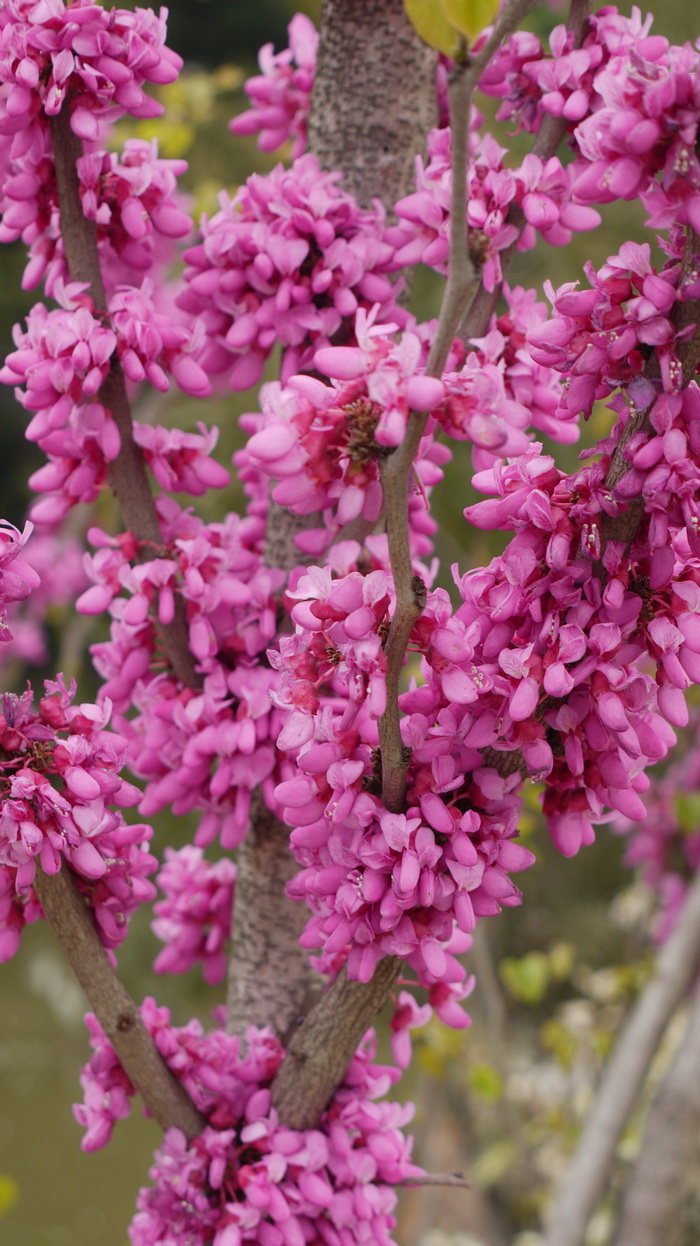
(60,774)
(321,442)
(378,883)
(61,361)
(135,201)
(632,104)
(287,260)
(246,1177)
(18,579)
(600,338)
(107,1091)
(576,698)
(280,94)
(194,920)
(563,84)
(542,659)
(55,561)
(533,386)
(665,846)
(132,197)
(540,188)
(205,749)
(151,346)
(96,58)
(646,124)
(182,462)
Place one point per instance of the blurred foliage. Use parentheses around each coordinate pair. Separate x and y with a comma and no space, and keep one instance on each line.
(9,1192)
(504,1100)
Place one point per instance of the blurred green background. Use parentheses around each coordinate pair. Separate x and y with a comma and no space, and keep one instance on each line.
(501,1101)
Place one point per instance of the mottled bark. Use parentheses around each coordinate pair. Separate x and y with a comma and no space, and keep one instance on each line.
(72,923)
(372,106)
(270,981)
(374,97)
(652,1209)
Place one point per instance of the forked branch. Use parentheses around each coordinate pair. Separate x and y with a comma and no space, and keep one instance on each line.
(320,1051)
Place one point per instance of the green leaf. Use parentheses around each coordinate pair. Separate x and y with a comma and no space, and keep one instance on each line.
(527,977)
(486,1082)
(9,1193)
(561,960)
(469,17)
(492,1165)
(431,24)
(688,811)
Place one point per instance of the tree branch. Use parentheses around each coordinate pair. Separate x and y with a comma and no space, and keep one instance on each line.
(127,473)
(270,980)
(368,50)
(624,1076)
(653,1204)
(71,921)
(396,468)
(319,1053)
(436,1178)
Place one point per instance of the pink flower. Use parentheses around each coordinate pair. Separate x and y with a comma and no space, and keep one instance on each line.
(246,1171)
(281,94)
(194,920)
(75,825)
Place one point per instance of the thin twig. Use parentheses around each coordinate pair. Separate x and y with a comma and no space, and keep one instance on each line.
(436,1178)
(624,1076)
(396,468)
(463,283)
(63,906)
(127,473)
(71,921)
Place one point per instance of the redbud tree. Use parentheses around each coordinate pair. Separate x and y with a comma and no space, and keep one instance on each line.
(357,824)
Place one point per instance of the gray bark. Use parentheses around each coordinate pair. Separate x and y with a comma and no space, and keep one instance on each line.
(372,106)
(270,981)
(373,100)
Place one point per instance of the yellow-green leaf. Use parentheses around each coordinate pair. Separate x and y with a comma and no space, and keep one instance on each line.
(688,811)
(485,1081)
(469,17)
(561,960)
(527,977)
(9,1193)
(431,24)
(492,1165)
